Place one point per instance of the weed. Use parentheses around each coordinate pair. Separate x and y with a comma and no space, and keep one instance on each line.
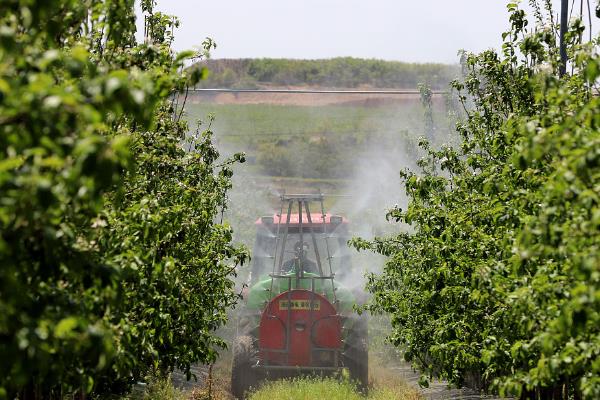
(331,389)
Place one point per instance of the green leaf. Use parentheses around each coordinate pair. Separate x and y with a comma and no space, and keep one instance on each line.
(65,327)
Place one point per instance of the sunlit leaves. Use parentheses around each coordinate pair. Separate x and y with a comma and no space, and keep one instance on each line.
(111,263)
(499,284)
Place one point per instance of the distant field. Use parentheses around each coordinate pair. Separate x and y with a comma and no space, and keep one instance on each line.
(248,120)
(317,142)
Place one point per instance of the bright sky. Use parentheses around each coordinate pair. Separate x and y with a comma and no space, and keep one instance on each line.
(405,30)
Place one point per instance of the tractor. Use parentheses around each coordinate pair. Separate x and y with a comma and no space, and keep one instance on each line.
(297,318)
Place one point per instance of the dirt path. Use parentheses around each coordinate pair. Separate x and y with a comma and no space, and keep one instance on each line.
(437,390)
(180,381)
(308,99)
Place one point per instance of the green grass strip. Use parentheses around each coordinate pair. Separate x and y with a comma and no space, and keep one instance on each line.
(330,389)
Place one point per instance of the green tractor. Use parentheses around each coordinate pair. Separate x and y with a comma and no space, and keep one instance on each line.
(297,317)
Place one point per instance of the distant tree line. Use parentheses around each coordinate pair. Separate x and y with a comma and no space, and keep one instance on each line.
(344,72)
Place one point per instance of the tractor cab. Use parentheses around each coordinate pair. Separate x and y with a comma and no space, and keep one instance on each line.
(298,318)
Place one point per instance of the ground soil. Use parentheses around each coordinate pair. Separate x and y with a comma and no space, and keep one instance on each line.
(307,99)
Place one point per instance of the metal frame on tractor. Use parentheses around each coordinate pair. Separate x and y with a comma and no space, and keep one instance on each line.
(310,229)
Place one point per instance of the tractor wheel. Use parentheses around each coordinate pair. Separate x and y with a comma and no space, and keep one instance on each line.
(356,353)
(243,376)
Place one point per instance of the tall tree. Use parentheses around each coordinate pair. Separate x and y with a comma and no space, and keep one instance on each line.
(497,284)
(111,262)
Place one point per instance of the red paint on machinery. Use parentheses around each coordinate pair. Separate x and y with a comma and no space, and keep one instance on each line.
(299,328)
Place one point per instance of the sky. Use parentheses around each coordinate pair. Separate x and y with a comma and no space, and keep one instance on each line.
(403,30)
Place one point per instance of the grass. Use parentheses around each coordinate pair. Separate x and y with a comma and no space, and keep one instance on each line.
(307,389)
(330,389)
(242,121)
(295,389)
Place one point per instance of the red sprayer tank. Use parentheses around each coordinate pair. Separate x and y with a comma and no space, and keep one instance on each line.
(300,328)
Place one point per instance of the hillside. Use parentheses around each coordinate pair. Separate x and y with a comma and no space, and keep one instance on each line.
(345,72)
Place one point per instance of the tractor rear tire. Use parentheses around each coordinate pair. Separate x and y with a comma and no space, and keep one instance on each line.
(243,376)
(356,353)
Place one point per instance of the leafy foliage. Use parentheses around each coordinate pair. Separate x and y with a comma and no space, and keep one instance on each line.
(108,239)
(498,283)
